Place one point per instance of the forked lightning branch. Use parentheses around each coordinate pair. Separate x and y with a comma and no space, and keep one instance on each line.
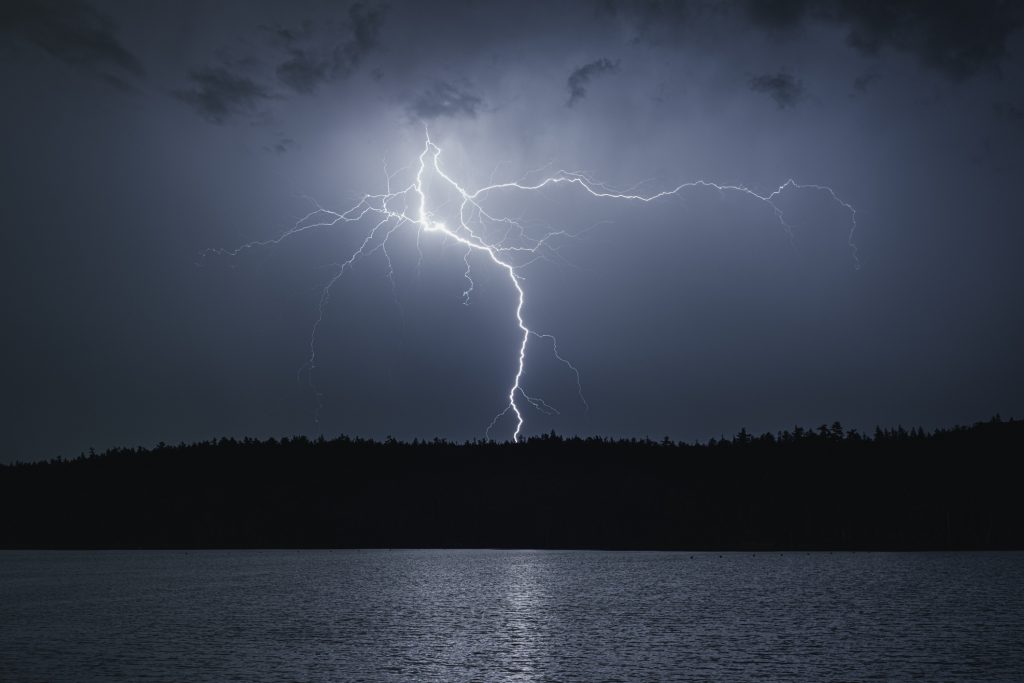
(503,242)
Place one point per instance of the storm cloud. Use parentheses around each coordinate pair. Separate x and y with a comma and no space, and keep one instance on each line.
(444,99)
(1009,112)
(318,56)
(304,72)
(365,23)
(781,87)
(74,33)
(691,316)
(580,78)
(958,39)
(219,95)
(864,81)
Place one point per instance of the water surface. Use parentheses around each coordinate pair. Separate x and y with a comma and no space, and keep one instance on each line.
(509,616)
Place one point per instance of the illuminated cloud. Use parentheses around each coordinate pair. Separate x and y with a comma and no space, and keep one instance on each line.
(442,99)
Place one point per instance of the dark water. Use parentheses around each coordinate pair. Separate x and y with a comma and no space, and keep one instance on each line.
(509,616)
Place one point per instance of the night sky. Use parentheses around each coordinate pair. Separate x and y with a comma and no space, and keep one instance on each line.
(137,136)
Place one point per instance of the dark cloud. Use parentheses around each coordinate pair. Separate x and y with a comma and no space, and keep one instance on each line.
(365,23)
(444,99)
(76,34)
(781,87)
(1009,112)
(315,60)
(776,14)
(581,77)
(306,68)
(957,38)
(653,17)
(281,146)
(287,36)
(315,56)
(218,94)
(862,82)
(304,72)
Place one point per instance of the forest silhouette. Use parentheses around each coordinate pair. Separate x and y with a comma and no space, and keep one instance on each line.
(802,489)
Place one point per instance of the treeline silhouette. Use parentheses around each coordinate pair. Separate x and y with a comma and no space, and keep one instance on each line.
(824,488)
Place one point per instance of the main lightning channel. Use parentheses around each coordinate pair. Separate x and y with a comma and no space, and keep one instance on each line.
(393,209)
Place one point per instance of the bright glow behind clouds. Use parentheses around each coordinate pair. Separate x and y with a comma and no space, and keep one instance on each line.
(513,249)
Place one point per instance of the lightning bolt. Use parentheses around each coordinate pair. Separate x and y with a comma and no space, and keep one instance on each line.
(410,206)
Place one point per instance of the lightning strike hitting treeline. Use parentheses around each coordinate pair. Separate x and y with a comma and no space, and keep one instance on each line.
(512,250)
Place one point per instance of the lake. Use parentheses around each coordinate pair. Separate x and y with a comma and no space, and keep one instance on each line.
(443,615)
